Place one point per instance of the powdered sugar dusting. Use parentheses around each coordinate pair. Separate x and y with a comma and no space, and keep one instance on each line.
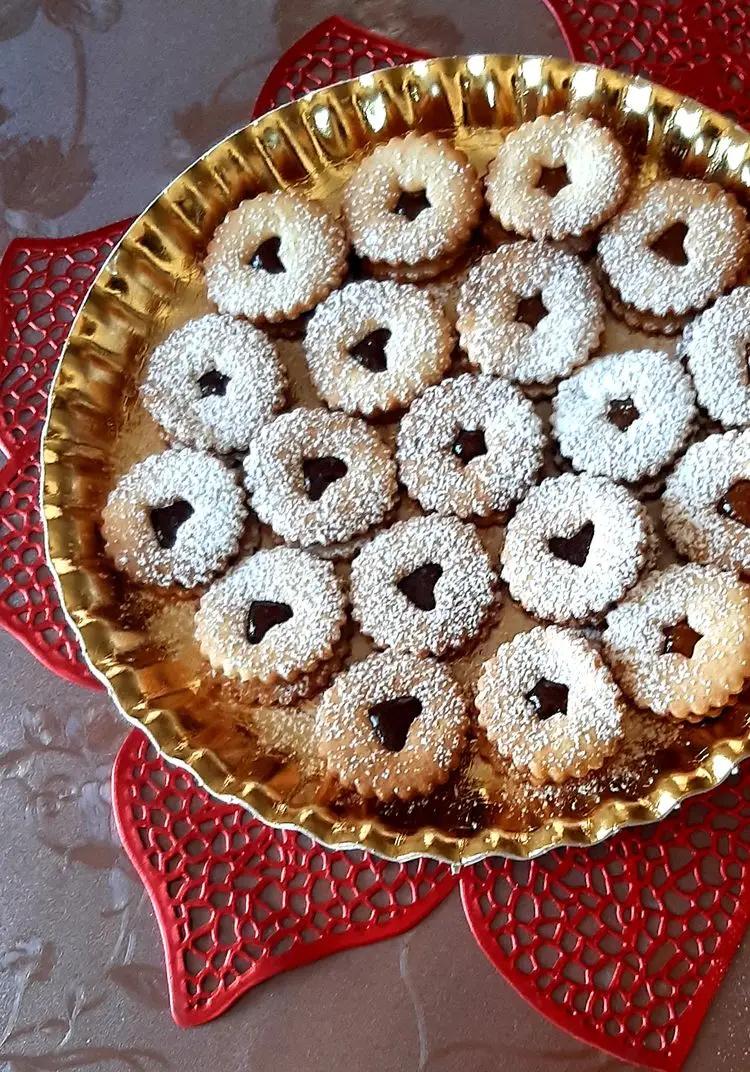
(463,593)
(715,245)
(655,385)
(491,482)
(434,741)
(274,476)
(253,391)
(306,584)
(717,346)
(569,742)
(597,170)
(690,505)
(498,343)
(204,542)
(554,588)
(416,162)
(313,252)
(716,605)
(417,352)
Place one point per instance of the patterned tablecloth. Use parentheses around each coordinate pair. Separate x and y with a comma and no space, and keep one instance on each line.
(101,103)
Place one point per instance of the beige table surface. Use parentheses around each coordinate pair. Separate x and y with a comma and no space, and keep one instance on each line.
(102,102)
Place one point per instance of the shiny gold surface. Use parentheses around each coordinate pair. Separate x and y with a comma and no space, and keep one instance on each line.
(136,640)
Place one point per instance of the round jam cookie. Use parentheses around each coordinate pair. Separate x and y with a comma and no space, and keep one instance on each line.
(412,204)
(706,503)
(372,347)
(275,256)
(557,176)
(392,726)
(547,700)
(471,445)
(213,382)
(716,344)
(530,312)
(676,245)
(680,643)
(174,518)
(319,477)
(624,416)
(273,619)
(575,545)
(424,585)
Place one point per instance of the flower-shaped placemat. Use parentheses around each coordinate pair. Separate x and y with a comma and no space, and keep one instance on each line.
(623,945)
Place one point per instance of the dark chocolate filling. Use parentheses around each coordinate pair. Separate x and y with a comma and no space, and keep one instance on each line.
(671,244)
(370,351)
(419,585)
(548,698)
(622,412)
(680,639)
(266,257)
(391,720)
(263,615)
(411,203)
(166,521)
(469,445)
(575,548)
(213,382)
(531,311)
(736,503)
(319,473)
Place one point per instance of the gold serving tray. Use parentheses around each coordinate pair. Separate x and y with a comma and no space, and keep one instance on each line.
(138,641)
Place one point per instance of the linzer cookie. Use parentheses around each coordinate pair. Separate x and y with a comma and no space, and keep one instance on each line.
(530,313)
(706,503)
(676,245)
(318,477)
(174,518)
(575,545)
(213,383)
(680,643)
(373,347)
(425,585)
(716,344)
(275,256)
(625,416)
(411,205)
(548,702)
(393,726)
(471,446)
(556,177)
(274,621)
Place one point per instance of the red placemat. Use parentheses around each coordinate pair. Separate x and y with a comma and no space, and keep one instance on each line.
(624,945)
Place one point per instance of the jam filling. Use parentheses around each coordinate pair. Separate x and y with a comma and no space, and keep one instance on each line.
(263,615)
(671,244)
(319,473)
(575,548)
(548,698)
(370,351)
(736,503)
(411,203)
(391,720)
(469,445)
(419,586)
(266,257)
(680,639)
(622,412)
(531,311)
(213,382)
(166,521)
(553,179)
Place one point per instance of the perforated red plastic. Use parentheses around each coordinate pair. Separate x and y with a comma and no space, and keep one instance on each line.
(624,945)
(238,902)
